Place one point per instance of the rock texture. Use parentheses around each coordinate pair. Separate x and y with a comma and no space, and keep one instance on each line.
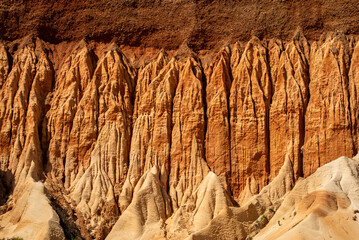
(151,136)
(354,96)
(290,78)
(145,216)
(328,119)
(243,222)
(4,63)
(31,217)
(23,104)
(249,102)
(218,144)
(100,139)
(72,80)
(186,145)
(188,167)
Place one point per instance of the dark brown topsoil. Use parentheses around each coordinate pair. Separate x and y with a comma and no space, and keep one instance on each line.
(168,23)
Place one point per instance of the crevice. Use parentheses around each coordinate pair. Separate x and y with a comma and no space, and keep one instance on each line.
(268,103)
(352,121)
(204,100)
(229,174)
(10,61)
(66,215)
(42,127)
(305,107)
(170,135)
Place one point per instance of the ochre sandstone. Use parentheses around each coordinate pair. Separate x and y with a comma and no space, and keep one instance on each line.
(73,78)
(290,79)
(249,102)
(328,118)
(187,145)
(187,164)
(218,130)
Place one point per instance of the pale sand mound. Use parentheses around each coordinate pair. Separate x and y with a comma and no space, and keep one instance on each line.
(321,206)
(240,222)
(144,218)
(32,216)
(202,205)
(205,213)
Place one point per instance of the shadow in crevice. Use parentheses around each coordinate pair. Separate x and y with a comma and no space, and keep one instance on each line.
(6,182)
(71,221)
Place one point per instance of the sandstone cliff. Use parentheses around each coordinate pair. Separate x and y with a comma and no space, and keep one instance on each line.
(177,146)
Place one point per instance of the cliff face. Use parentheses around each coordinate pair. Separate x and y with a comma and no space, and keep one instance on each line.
(328,112)
(172,144)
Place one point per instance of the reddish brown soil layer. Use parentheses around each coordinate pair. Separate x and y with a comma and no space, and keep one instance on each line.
(166,24)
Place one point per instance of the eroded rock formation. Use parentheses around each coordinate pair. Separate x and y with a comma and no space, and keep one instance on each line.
(176,147)
(249,103)
(328,118)
(218,144)
(290,79)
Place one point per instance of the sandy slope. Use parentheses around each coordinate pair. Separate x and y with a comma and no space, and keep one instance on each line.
(322,206)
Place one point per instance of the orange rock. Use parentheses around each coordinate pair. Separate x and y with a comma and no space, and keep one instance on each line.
(97,160)
(22,108)
(71,82)
(354,95)
(328,118)
(187,166)
(289,101)
(249,113)
(170,135)
(151,137)
(218,130)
